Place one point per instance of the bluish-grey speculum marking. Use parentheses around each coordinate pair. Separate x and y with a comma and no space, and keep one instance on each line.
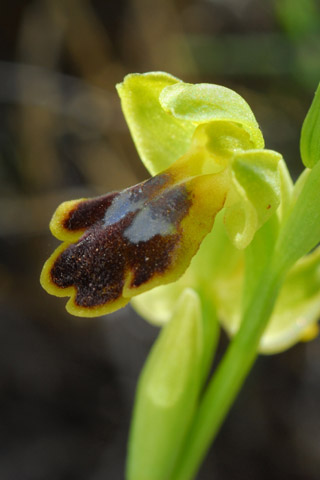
(146,225)
(159,217)
(121,206)
(133,199)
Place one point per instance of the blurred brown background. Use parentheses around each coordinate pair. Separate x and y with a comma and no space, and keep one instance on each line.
(67,385)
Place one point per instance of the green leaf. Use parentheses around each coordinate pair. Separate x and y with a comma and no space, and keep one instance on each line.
(255,195)
(310,134)
(159,138)
(300,232)
(202,103)
(167,393)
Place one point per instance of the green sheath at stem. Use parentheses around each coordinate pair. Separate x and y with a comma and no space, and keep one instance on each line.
(229,377)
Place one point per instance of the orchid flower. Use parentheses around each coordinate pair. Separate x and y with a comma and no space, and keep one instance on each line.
(205,147)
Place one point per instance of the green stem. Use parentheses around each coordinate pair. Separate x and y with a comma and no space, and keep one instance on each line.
(211,334)
(229,377)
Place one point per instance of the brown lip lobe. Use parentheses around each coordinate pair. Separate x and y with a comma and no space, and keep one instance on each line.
(136,232)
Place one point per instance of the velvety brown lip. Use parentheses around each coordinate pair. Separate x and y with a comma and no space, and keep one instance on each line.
(140,237)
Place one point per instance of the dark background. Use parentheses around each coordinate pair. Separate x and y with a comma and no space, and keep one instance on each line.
(67,384)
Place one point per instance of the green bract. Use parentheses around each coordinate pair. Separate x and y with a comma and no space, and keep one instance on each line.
(167,393)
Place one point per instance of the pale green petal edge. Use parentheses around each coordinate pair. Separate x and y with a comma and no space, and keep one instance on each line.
(255,194)
(203,103)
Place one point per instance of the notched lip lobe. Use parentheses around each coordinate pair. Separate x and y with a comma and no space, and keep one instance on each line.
(129,278)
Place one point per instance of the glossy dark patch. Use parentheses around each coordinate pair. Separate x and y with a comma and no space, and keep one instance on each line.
(137,232)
